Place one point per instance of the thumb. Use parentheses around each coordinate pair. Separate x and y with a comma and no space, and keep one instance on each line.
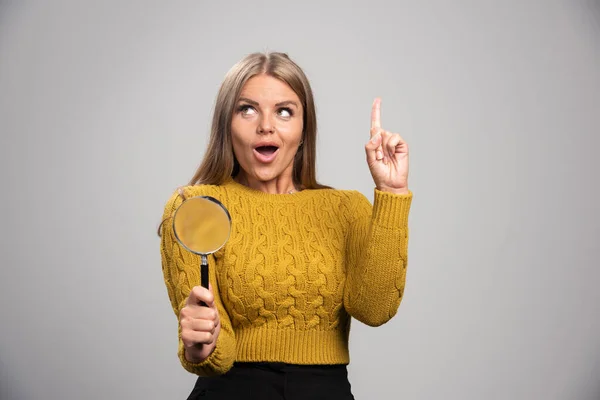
(373,147)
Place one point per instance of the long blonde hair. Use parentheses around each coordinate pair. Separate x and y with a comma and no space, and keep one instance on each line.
(219,162)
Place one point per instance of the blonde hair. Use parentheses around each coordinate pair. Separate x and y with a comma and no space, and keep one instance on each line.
(219,162)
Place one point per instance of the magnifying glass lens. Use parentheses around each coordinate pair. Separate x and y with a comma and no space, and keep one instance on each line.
(202,225)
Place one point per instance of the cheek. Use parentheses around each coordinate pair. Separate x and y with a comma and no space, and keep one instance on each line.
(239,135)
(292,131)
(239,149)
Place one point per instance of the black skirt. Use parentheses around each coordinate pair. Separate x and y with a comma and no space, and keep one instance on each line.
(273,380)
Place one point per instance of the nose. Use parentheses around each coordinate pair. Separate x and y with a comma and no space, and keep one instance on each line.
(266,125)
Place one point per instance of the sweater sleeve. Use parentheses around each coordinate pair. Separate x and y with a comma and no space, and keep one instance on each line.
(181,272)
(376,256)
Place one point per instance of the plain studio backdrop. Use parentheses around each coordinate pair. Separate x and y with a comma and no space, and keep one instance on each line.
(105,109)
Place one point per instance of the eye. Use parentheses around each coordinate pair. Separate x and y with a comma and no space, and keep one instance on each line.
(286,112)
(246,109)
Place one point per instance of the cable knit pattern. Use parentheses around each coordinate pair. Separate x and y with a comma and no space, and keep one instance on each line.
(295,269)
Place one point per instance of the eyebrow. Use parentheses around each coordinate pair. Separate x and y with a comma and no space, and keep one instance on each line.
(283,103)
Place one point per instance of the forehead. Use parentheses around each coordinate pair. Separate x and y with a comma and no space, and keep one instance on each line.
(268,89)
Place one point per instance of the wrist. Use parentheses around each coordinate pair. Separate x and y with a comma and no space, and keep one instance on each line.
(403,190)
(199,353)
(194,354)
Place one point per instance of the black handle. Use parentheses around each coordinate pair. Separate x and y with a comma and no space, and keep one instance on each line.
(204,276)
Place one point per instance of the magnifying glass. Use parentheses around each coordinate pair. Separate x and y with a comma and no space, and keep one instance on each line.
(202,225)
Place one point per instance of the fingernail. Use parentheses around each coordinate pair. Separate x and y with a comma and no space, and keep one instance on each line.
(379,155)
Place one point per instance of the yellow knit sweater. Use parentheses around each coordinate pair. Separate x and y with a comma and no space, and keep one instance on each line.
(295,269)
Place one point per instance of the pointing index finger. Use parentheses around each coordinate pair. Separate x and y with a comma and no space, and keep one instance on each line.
(376,114)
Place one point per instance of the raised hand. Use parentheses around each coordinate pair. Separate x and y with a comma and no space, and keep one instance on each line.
(387,156)
(200,325)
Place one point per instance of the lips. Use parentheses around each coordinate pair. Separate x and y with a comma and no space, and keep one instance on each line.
(266,152)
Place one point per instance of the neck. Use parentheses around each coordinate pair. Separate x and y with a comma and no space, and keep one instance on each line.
(279,185)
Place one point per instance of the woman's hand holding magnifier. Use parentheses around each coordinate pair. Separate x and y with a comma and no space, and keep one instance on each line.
(199,324)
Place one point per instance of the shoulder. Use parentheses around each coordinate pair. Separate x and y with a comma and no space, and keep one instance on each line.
(182,193)
(185,192)
(350,203)
(352,198)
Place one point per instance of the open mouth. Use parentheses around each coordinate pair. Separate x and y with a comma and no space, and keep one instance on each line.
(267,150)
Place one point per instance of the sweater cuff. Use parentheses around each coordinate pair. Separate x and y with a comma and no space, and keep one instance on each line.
(391,210)
(211,366)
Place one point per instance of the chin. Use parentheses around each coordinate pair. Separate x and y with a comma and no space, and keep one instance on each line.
(266,177)
(261,174)
(266,173)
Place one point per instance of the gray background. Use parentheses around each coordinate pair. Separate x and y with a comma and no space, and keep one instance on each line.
(104,111)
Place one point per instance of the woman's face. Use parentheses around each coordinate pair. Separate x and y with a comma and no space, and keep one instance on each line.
(266,128)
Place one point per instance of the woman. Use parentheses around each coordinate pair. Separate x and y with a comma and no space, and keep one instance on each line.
(302,258)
